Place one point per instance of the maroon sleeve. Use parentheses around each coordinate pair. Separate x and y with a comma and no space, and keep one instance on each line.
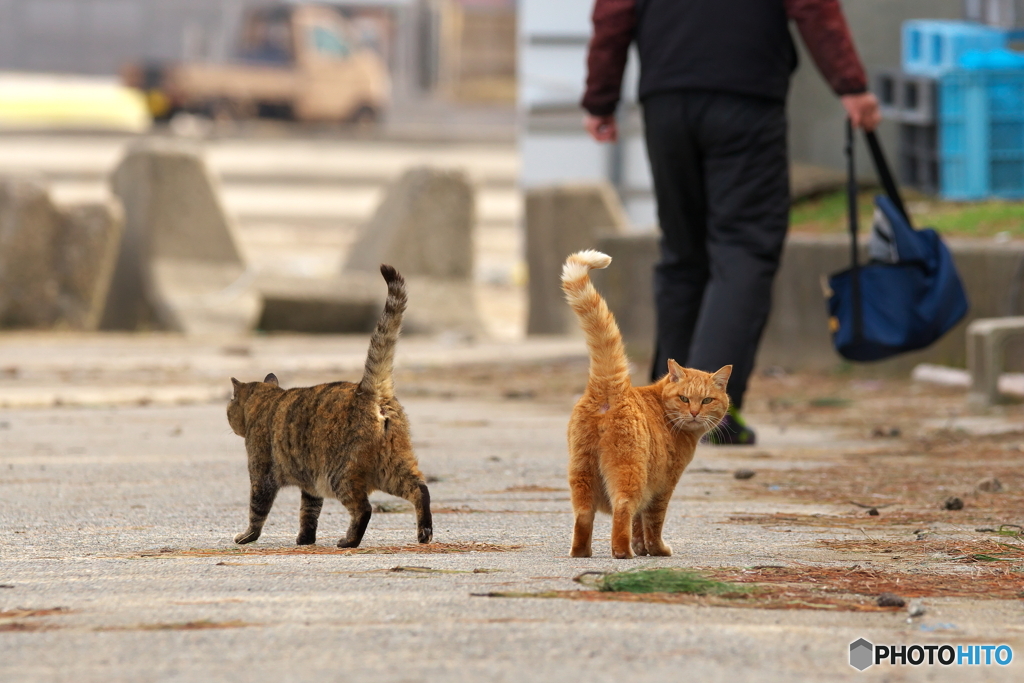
(827,37)
(614,25)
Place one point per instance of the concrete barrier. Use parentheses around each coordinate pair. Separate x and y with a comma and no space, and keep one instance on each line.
(797,336)
(29,285)
(423,227)
(562,219)
(88,243)
(179,267)
(55,263)
(344,305)
(986,346)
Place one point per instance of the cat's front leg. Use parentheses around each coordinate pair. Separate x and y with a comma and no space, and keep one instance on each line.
(261,498)
(360,511)
(309,514)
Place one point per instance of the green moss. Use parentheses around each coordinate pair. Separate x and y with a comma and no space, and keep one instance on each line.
(660,580)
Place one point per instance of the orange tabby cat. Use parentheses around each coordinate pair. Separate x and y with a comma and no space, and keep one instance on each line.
(629,445)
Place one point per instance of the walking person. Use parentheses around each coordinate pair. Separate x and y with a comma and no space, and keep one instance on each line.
(714,76)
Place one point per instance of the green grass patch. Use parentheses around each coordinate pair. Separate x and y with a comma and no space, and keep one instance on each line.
(827,214)
(660,580)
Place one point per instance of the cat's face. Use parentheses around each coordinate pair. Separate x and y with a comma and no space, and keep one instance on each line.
(695,401)
(242,391)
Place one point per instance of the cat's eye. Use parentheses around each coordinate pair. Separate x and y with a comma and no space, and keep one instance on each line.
(707,400)
(684,399)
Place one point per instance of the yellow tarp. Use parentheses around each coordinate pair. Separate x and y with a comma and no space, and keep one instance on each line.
(45,101)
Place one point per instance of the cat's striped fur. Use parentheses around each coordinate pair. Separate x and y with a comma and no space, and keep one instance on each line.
(342,440)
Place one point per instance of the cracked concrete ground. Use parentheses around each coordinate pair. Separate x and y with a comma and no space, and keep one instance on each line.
(121,488)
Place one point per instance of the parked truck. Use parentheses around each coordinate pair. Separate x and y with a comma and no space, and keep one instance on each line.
(292,61)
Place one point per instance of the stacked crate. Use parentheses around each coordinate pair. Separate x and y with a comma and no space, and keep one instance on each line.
(959,102)
(911,101)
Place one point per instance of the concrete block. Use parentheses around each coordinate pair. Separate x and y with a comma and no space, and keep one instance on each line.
(628,287)
(179,267)
(349,304)
(88,240)
(55,262)
(29,282)
(986,350)
(561,219)
(424,226)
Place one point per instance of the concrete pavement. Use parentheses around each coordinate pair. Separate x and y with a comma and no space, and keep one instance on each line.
(118,508)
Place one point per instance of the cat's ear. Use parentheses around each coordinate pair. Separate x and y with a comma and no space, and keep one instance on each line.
(236,384)
(675,371)
(721,378)
(271,379)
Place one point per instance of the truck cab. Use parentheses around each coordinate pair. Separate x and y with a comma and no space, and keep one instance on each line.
(296,61)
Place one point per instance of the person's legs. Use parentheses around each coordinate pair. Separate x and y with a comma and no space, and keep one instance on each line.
(746,171)
(682,273)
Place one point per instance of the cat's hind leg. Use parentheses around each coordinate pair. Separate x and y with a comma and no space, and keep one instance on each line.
(582,492)
(654,522)
(408,485)
(358,506)
(625,478)
(262,492)
(420,499)
(639,543)
(309,514)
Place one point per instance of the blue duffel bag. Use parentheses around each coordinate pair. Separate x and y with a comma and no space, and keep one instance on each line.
(908,294)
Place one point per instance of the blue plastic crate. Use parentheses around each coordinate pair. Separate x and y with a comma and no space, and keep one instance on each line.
(981,131)
(933,47)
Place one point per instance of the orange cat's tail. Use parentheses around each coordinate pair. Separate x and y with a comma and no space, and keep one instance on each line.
(609,367)
(380,359)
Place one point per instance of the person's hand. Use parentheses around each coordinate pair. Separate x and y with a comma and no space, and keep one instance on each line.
(862,110)
(601,128)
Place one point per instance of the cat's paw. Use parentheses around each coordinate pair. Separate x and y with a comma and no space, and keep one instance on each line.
(663,550)
(639,548)
(580,552)
(345,543)
(425,535)
(305,539)
(247,536)
(626,554)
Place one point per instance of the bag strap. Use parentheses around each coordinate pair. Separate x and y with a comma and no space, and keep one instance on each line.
(885,175)
(851,211)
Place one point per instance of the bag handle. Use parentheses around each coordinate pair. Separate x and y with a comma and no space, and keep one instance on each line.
(885,175)
(851,211)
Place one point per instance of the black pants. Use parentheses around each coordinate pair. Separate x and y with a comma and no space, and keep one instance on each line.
(721,176)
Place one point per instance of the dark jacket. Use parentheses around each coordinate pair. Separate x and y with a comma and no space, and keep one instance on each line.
(740,46)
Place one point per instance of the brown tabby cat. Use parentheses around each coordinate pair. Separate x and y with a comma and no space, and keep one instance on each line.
(340,439)
(629,445)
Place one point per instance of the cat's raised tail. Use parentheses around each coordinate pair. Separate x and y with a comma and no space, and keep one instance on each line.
(609,367)
(380,359)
